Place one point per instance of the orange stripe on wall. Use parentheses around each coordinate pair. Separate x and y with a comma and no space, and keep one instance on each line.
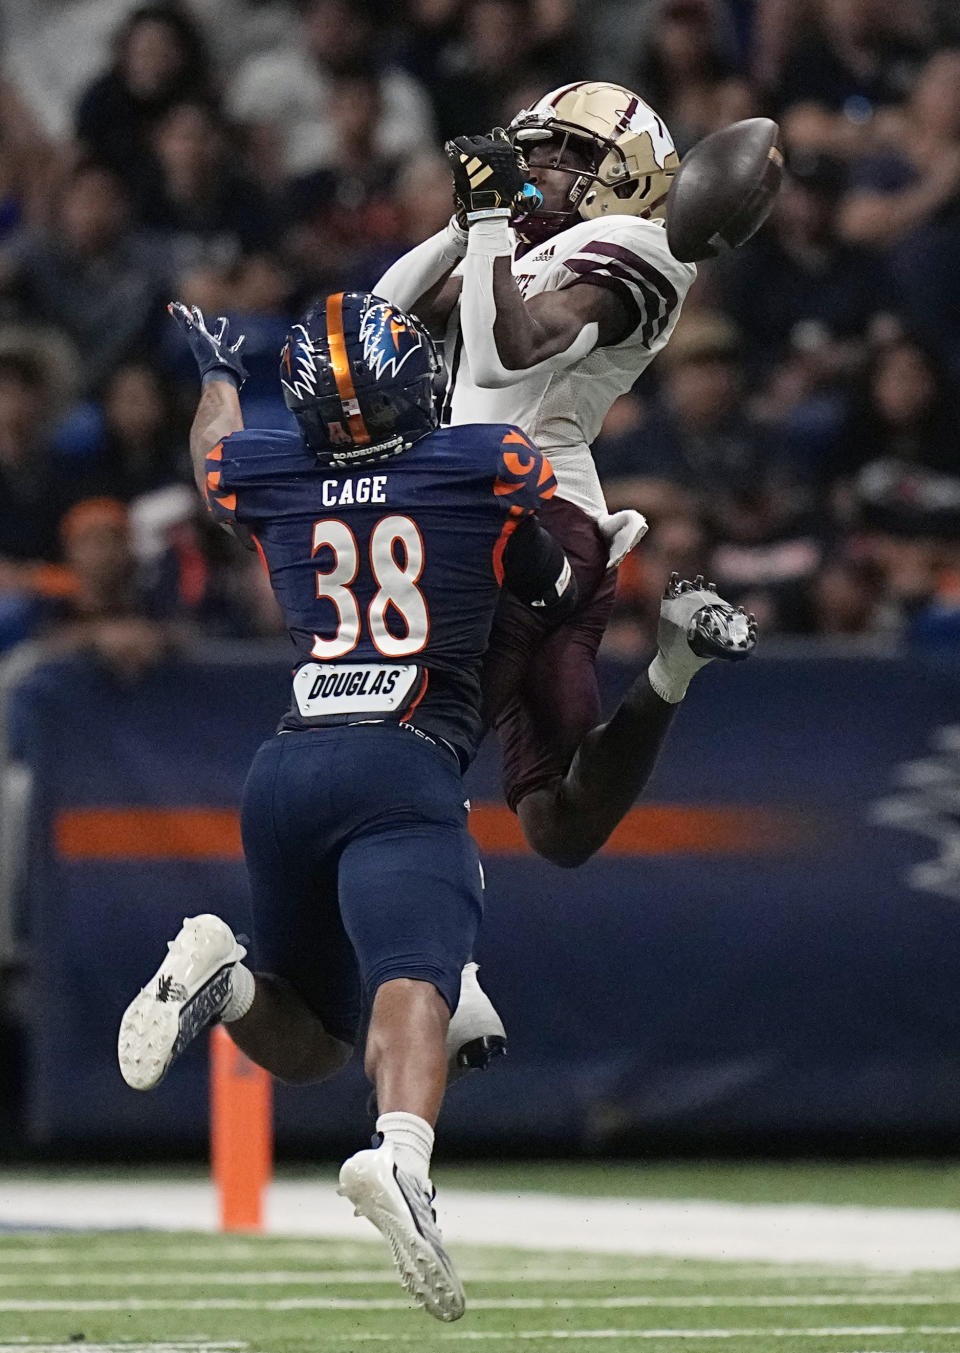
(149,834)
(660,829)
(214,834)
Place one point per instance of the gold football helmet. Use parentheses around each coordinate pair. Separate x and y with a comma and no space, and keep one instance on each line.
(631,153)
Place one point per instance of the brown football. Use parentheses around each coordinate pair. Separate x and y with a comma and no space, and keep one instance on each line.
(724,189)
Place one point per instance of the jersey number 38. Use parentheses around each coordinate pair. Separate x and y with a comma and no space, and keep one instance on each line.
(396,576)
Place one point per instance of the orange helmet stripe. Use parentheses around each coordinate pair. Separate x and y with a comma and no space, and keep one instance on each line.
(341,370)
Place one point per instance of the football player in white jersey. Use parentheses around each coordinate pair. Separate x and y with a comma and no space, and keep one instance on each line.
(554,289)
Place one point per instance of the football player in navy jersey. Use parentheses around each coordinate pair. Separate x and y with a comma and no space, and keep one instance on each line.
(387,540)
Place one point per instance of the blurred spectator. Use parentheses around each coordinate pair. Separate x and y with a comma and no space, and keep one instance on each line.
(701,447)
(847,597)
(28,162)
(798,273)
(159,59)
(90,273)
(95,601)
(907,412)
(698,436)
(196,192)
(688,66)
(905,201)
(199,575)
(11,203)
(855,57)
(497,49)
(264,308)
(899,491)
(908,501)
(98,555)
(31,494)
(262,297)
(618,450)
(238,29)
(424,198)
(284,98)
(429,36)
(346,217)
(142,440)
(127,646)
(97,579)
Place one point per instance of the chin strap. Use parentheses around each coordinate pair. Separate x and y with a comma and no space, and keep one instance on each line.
(491,238)
(416,272)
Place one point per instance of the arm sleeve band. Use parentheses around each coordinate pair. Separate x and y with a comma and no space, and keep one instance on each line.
(416,272)
(538,573)
(488,241)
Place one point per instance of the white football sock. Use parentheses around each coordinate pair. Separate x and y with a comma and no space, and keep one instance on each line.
(243,988)
(412,1141)
(671,675)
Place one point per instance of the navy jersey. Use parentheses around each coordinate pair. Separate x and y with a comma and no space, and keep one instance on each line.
(388,575)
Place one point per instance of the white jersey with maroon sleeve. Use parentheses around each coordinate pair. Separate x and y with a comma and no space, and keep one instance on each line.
(561,412)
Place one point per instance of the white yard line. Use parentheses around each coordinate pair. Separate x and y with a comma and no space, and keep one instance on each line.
(320,1303)
(53,1304)
(177,1346)
(828,1332)
(884,1238)
(143,1247)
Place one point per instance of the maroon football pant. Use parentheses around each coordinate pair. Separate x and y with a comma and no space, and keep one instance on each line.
(540,686)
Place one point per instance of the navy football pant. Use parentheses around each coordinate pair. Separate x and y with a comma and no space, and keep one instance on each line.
(361,866)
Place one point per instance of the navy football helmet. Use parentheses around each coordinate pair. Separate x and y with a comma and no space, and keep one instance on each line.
(363,379)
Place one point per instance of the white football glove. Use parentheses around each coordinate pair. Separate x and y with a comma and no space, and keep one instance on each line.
(622,531)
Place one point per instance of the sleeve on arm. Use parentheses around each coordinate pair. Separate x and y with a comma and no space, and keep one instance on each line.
(422,267)
(641,283)
(525,477)
(217,494)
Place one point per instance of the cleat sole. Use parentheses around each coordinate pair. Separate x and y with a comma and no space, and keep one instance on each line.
(720,632)
(154,1033)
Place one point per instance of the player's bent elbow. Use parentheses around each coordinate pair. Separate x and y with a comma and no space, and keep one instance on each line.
(495,377)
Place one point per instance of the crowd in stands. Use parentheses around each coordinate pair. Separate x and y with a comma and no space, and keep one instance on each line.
(797,441)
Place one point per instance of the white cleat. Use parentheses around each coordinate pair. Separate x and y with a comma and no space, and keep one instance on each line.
(401,1208)
(185,994)
(476,1034)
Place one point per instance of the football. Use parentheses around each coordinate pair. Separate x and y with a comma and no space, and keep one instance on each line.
(724,189)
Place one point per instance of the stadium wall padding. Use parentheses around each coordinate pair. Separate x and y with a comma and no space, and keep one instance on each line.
(769,954)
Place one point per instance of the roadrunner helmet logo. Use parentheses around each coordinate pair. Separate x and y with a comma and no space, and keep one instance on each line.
(299,361)
(388,339)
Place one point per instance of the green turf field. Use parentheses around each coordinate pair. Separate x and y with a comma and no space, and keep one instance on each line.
(160,1293)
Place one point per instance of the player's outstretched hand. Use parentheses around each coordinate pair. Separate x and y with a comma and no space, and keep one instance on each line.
(622,531)
(489,175)
(210,349)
